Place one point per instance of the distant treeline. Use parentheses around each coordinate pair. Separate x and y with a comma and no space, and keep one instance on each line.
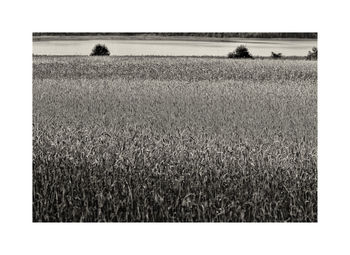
(216,35)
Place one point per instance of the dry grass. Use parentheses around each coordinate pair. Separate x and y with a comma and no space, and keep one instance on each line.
(174,139)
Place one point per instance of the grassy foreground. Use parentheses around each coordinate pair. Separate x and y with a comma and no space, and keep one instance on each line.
(174,139)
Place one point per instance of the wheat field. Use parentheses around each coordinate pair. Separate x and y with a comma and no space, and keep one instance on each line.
(174,139)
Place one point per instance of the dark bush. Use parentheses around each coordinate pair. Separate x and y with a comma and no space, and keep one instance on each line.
(100,50)
(231,55)
(240,52)
(276,55)
(312,55)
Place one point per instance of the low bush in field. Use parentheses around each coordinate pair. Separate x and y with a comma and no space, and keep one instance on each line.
(276,55)
(240,52)
(231,55)
(312,55)
(100,50)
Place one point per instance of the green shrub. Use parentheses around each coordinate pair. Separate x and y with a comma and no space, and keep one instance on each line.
(100,50)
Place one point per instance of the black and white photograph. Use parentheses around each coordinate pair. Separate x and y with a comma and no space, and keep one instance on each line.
(174,127)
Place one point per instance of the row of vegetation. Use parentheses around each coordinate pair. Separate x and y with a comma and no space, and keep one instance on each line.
(215,35)
(240,52)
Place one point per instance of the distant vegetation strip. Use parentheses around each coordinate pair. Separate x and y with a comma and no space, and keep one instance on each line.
(213,35)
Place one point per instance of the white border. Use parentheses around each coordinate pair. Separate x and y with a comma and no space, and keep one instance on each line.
(21,18)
